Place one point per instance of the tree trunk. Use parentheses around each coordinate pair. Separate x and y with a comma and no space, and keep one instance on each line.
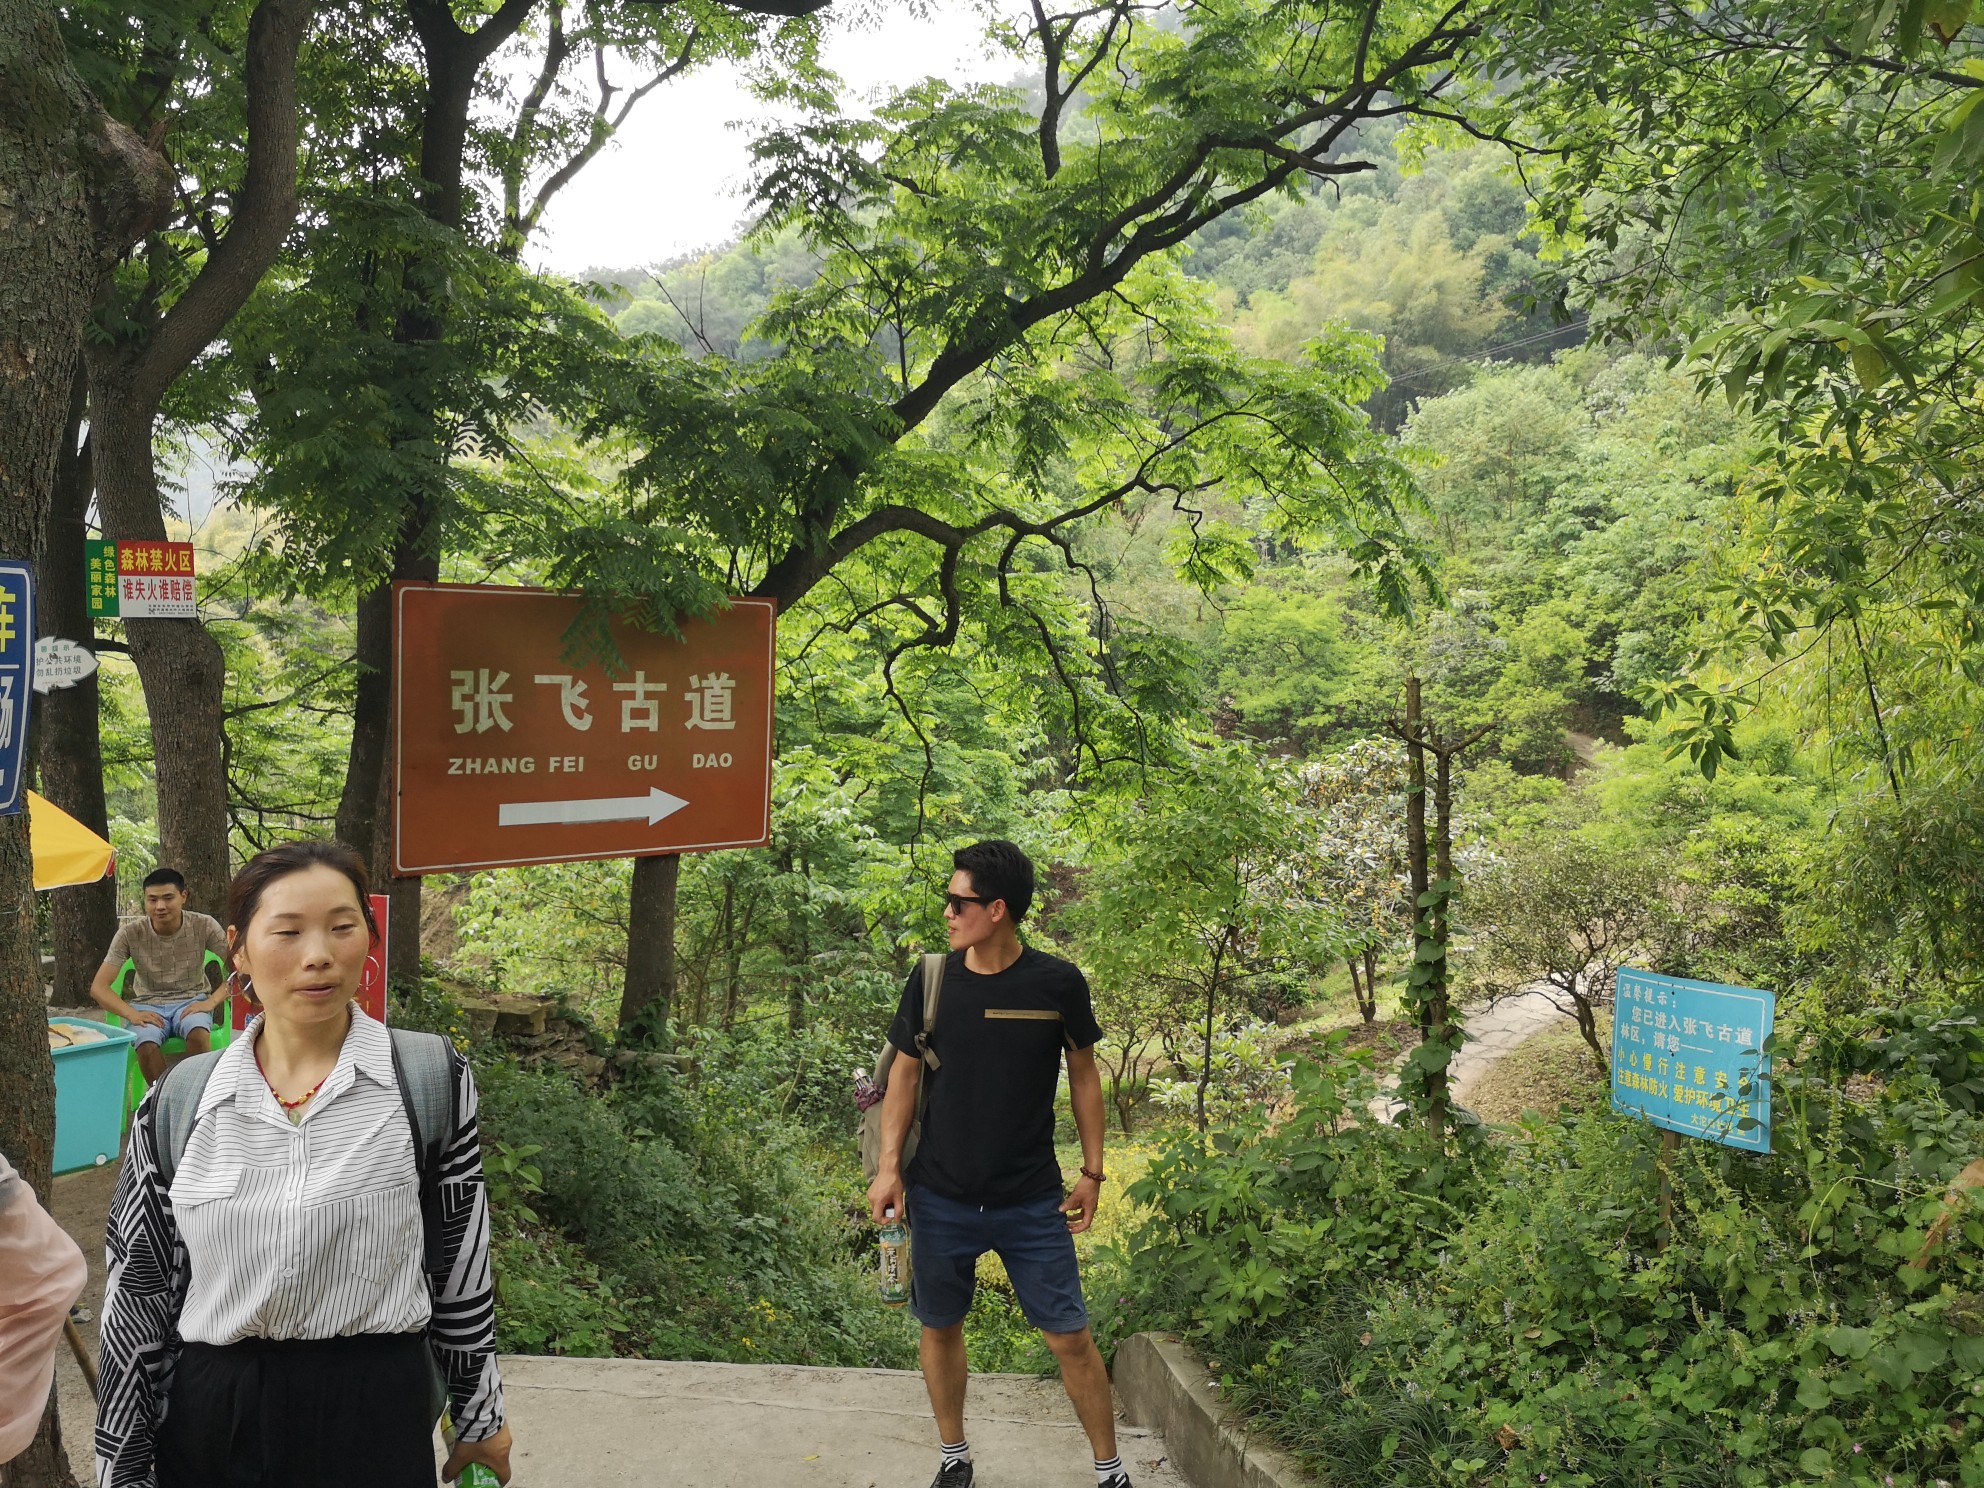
(1205,1048)
(453,59)
(1587,1017)
(650,988)
(365,793)
(1423,944)
(1439,1013)
(45,1464)
(1415,826)
(75,189)
(69,744)
(802,951)
(365,809)
(1364,985)
(179,663)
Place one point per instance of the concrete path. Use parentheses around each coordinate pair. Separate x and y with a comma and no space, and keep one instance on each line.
(602,1423)
(1493,1034)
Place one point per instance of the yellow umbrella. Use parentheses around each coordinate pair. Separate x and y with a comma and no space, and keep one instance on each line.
(65,851)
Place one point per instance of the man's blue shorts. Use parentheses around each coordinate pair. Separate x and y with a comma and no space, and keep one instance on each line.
(179,1021)
(946,1238)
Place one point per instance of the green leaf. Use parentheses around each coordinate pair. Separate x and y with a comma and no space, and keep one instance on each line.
(1946,18)
(1871,365)
(1850,1343)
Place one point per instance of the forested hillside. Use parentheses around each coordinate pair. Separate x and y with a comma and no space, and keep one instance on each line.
(1118,488)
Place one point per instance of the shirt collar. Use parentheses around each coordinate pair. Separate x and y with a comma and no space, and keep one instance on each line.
(367,1050)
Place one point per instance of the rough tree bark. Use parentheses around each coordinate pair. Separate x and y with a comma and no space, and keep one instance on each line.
(74,189)
(69,740)
(649,995)
(179,663)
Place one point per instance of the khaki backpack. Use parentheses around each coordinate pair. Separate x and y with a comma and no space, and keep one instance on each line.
(871,1119)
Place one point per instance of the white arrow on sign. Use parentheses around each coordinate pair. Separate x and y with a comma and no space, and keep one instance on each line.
(651,808)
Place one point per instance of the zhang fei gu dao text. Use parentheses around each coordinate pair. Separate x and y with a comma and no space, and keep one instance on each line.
(481,700)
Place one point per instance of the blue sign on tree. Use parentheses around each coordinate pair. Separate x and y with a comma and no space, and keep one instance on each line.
(1688,1056)
(16,679)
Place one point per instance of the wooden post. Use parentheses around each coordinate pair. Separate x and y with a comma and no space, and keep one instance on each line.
(1670,1143)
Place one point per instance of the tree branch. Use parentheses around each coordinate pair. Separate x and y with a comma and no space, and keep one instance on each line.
(264,208)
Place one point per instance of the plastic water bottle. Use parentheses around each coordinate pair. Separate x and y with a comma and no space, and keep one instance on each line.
(895,1259)
(473,1474)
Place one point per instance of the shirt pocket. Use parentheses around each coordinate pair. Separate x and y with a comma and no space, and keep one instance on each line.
(1028,1028)
(374,1235)
(191,1190)
(359,1211)
(208,1215)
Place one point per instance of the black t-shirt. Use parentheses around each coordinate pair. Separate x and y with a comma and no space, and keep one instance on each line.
(988,1131)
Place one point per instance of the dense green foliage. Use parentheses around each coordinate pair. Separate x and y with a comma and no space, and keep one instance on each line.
(1506,1312)
(1120,441)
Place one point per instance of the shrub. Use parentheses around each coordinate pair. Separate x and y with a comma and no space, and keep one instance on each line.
(1526,1325)
(680,1238)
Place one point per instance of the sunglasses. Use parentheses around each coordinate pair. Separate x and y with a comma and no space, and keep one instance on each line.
(955,903)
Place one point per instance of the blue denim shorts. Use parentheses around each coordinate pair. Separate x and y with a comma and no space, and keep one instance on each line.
(178,1021)
(946,1238)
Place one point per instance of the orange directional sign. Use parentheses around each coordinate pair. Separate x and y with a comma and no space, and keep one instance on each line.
(505,753)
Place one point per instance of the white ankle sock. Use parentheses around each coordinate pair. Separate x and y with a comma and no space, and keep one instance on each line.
(1108,1472)
(953,1455)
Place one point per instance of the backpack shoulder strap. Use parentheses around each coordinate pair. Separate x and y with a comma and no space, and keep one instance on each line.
(176,1106)
(934,965)
(422,1066)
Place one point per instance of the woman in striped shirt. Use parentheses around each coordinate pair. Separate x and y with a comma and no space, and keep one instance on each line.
(277,1312)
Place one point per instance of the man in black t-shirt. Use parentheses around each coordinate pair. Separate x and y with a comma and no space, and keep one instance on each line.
(984,1176)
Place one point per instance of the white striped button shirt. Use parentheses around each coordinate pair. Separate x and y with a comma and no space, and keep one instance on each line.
(283,1230)
(308,1229)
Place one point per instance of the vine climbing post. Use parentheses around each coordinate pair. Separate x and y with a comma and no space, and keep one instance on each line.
(1434,884)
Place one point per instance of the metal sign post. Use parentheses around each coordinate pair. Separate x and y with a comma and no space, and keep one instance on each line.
(16,679)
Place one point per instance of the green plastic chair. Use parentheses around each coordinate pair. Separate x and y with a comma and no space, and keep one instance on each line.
(222,1034)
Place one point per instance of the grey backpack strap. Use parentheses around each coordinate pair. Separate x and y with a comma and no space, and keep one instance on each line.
(934,965)
(176,1106)
(424,1070)
(427,1089)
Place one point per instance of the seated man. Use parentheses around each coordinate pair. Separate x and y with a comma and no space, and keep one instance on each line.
(172,994)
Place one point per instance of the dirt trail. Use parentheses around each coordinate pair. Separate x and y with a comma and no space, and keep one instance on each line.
(1492,1035)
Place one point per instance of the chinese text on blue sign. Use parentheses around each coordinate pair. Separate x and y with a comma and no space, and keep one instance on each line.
(16,677)
(1688,1056)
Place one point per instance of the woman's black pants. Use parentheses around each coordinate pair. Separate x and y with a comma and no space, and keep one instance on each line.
(305,1413)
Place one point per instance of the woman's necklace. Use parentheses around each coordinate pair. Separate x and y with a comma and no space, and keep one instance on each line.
(282,1100)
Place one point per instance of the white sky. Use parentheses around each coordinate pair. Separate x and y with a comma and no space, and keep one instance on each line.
(672,180)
